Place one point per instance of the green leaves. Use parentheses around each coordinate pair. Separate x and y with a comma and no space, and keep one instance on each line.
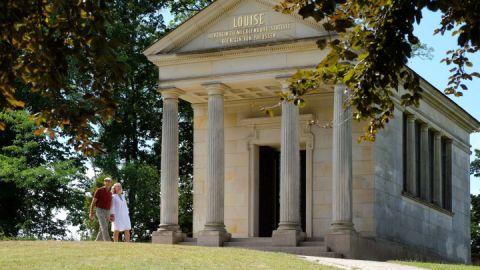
(37,179)
(42,44)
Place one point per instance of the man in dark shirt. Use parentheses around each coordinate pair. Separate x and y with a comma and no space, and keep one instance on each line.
(102,200)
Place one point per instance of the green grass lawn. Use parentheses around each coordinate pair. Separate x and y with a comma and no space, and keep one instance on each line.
(438,266)
(114,256)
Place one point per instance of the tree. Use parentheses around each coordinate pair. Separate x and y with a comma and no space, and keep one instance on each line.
(142,183)
(475,207)
(132,143)
(475,223)
(38,180)
(41,44)
(183,10)
(370,44)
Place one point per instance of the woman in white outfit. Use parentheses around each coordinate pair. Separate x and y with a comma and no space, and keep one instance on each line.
(119,209)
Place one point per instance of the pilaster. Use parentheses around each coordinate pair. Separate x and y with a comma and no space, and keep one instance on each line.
(437,169)
(425,163)
(411,164)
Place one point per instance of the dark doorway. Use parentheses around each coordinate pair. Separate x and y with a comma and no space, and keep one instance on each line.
(269,190)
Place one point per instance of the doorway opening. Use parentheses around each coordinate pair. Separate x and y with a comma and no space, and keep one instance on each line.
(269,190)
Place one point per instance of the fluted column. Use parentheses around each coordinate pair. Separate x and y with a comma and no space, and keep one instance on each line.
(411,172)
(214,233)
(289,231)
(342,162)
(437,169)
(169,163)
(290,168)
(169,232)
(216,160)
(425,163)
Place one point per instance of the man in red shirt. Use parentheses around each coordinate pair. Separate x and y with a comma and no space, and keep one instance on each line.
(102,200)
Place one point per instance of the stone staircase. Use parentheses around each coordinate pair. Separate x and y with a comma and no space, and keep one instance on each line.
(310,247)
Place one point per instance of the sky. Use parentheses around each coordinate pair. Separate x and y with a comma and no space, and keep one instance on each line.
(437,74)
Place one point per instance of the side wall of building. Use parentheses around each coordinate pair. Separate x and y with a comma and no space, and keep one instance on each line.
(408,221)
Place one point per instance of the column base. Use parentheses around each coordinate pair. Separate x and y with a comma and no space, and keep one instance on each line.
(168,237)
(343,241)
(342,227)
(211,238)
(287,238)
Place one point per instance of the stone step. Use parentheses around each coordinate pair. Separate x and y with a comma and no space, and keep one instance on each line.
(311,247)
(188,242)
(311,243)
(247,244)
(318,238)
(189,239)
(252,240)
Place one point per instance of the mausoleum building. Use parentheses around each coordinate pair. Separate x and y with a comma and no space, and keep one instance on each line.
(300,181)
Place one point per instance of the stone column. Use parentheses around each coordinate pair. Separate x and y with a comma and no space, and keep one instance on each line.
(169,232)
(289,231)
(437,169)
(214,232)
(425,164)
(411,172)
(342,237)
(342,162)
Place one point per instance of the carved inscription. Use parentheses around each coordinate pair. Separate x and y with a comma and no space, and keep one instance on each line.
(248,20)
(249,28)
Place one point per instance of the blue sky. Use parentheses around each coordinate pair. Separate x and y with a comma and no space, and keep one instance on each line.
(437,73)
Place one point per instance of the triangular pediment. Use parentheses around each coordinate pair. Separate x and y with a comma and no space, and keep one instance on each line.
(233,23)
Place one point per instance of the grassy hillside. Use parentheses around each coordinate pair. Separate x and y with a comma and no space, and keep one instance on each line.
(115,256)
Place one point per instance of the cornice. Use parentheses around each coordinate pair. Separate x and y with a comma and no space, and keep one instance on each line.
(448,107)
(173,59)
(189,27)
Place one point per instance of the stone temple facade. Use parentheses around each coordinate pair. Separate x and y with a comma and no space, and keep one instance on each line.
(301,175)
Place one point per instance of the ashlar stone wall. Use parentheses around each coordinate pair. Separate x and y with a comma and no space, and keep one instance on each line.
(406,221)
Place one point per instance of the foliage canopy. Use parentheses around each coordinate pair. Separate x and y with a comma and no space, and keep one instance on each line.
(42,43)
(38,179)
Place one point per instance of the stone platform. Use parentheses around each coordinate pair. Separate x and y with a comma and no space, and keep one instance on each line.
(310,247)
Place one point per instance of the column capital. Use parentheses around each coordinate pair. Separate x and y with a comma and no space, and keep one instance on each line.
(424,126)
(170,92)
(215,88)
(437,135)
(283,81)
(411,117)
